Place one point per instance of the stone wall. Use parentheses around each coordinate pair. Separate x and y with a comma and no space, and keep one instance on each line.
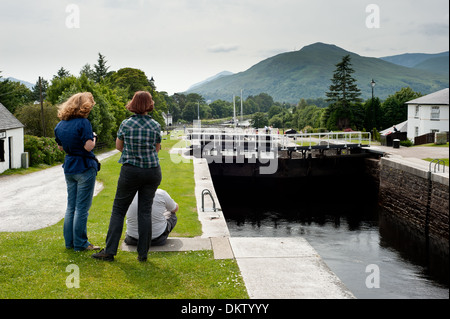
(412,195)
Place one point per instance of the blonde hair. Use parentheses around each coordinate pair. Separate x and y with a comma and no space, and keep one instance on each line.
(77,106)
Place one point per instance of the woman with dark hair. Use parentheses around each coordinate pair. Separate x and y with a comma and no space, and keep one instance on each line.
(74,135)
(139,140)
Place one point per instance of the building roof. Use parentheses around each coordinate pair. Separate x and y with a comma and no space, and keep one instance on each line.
(436,98)
(401,127)
(7,120)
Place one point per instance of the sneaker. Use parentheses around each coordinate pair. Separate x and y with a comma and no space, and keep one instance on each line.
(103,256)
(92,247)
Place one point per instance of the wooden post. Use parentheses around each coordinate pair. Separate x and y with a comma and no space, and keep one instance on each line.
(42,108)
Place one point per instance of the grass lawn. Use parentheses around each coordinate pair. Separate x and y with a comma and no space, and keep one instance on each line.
(36,264)
(445,160)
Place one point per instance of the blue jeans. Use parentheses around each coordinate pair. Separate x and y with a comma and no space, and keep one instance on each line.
(133,179)
(80,190)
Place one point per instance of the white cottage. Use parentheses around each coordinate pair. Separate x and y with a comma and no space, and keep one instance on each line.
(11,140)
(428,114)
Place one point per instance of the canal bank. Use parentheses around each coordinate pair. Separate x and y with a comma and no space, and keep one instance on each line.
(387,262)
(272,268)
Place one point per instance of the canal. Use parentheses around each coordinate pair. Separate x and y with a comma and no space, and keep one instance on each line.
(341,219)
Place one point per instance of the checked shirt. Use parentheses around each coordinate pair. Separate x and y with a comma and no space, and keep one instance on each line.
(140,134)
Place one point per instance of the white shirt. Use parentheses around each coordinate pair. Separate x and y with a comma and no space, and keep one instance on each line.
(162,203)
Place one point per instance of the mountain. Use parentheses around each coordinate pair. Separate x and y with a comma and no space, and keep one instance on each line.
(27,84)
(412,59)
(214,77)
(436,63)
(306,73)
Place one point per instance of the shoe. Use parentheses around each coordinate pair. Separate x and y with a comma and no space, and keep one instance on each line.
(92,247)
(142,258)
(103,256)
(130,241)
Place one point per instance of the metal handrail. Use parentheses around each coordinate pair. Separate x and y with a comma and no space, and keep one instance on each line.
(207,192)
(438,161)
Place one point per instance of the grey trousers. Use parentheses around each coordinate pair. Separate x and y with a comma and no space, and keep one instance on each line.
(133,179)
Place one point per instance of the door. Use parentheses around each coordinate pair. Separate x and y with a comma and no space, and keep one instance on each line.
(10,142)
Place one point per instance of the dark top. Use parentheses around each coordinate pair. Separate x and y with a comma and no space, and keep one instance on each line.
(72,136)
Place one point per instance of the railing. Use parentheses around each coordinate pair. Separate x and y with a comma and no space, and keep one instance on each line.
(310,140)
(437,162)
(248,139)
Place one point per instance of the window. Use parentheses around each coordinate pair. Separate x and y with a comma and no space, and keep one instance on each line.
(435,113)
(416,131)
(416,114)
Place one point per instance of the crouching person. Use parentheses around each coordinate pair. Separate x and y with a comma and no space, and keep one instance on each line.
(164,219)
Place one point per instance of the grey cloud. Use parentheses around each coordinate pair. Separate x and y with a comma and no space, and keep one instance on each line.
(223,48)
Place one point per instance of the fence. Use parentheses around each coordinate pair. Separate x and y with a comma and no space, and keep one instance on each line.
(425,139)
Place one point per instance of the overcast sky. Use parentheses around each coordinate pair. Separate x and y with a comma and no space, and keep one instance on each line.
(182,42)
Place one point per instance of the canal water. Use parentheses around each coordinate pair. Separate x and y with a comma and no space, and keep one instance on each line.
(366,249)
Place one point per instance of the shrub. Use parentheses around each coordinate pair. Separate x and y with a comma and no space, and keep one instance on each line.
(42,150)
(308,129)
(406,143)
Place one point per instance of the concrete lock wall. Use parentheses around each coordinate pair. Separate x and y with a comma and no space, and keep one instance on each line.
(418,198)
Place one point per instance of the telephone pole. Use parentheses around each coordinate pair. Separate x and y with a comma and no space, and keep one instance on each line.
(42,107)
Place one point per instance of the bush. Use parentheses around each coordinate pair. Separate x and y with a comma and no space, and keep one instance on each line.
(406,143)
(42,150)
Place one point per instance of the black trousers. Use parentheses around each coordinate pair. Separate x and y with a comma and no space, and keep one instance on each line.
(133,179)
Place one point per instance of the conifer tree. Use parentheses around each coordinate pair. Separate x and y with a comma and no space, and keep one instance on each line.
(343,89)
(101,69)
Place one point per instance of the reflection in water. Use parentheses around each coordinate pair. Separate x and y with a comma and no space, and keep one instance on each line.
(347,230)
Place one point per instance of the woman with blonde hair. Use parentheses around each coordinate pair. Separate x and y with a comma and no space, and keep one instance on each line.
(74,135)
(139,140)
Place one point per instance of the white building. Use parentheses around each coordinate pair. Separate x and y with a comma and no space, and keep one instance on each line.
(428,114)
(167,119)
(11,140)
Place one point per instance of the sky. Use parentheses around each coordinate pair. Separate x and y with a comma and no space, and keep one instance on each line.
(183,42)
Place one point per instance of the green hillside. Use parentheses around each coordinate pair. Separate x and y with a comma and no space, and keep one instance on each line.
(437,65)
(306,73)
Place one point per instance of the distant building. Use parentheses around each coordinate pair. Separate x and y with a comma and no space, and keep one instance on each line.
(11,140)
(167,119)
(428,114)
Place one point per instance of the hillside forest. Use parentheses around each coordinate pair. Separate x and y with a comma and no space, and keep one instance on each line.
(113,89)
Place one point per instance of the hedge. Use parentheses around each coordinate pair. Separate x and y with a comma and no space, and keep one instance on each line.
(42,150)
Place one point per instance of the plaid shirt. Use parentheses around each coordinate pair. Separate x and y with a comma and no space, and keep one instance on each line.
(140,134)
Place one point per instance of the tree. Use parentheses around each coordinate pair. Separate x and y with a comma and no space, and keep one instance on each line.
(14,94)
(62,73)
(259,120)
(221,109)
(36,92)
(373,114)
(30,116)
(190,112)
(394,110)
(132,80)
(343,89)
(263,102)
(101,70)
(344,95)
(87,70)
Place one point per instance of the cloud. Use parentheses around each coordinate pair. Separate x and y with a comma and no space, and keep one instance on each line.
(434,29)
(223,48)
